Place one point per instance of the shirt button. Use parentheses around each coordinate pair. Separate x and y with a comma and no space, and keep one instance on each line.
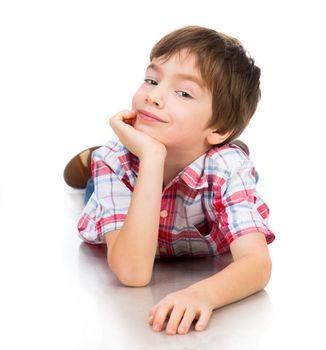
(164,214)
(163,249)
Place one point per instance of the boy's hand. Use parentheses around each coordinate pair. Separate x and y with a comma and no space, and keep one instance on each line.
(137,142)
(182,307)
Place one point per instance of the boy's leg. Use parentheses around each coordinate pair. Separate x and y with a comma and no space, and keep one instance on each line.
(89,190)
(78,171)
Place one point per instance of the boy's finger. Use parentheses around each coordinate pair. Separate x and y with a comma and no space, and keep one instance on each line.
(186,322)
(128,121)
(151,315)
(151,318)
(160,317)
(174,320)
(203,320)
(122,115)
(128,114)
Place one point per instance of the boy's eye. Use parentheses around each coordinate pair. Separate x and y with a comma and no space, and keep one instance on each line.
(150,81)
(184,94)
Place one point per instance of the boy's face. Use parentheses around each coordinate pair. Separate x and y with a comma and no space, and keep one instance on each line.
(173,92)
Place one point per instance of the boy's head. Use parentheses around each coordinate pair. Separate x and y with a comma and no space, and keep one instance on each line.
(227,73)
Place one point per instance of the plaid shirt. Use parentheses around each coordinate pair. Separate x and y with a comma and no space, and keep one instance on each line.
(203,209)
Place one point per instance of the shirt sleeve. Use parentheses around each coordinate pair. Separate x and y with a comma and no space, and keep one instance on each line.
(239,209)
(108,206)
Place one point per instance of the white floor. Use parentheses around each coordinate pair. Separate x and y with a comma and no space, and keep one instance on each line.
(65,68)
(58,293)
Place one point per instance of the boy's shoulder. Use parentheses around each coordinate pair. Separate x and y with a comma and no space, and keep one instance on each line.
(227,159)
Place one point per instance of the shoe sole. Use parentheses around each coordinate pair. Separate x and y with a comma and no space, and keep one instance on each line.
(78,171)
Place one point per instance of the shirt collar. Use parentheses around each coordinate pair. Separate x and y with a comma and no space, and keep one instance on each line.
(194,175)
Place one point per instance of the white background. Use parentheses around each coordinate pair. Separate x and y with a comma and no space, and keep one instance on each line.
(66,67)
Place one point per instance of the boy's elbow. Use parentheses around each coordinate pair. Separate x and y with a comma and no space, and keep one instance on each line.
(134,281)
(130,278)
(266,268)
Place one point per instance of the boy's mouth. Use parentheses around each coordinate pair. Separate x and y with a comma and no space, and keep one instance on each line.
(150,117)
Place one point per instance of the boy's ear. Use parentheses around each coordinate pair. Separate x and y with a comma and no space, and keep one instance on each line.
(214,138)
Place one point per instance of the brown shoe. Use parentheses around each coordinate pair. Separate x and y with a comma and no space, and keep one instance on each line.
(78,171)
(242,145)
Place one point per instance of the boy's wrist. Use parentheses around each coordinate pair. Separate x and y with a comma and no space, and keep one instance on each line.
(155,154)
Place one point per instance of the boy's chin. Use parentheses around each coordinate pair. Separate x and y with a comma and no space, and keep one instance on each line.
(143,129)
(140,127)
(137,126)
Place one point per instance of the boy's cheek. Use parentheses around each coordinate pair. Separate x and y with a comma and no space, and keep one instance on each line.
(134,108)
(136,100)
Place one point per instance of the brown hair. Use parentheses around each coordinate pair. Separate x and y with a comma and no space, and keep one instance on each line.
(227,72)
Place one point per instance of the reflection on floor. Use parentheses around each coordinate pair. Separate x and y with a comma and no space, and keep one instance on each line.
(60,294)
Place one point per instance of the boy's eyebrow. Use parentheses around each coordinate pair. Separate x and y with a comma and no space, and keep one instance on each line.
(182,76)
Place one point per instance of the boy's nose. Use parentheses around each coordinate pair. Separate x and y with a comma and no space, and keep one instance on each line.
(154,99)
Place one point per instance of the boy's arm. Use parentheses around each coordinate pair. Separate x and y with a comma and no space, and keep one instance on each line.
(248,274)
(131,250)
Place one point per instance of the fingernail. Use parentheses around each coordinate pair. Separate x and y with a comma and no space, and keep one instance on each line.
(181,330)
(157,327)
(171,330)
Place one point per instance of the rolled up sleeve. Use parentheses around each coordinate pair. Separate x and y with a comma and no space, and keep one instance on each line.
(240,210)
(108,206)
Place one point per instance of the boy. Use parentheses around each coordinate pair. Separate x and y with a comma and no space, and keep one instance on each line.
(173,184)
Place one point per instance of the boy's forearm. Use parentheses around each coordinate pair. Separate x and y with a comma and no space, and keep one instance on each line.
(240,279)
(133,255)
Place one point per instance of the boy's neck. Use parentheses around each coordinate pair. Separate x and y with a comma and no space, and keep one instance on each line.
(177,160)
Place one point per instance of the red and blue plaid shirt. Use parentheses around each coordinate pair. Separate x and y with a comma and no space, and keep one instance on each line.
(203,209)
